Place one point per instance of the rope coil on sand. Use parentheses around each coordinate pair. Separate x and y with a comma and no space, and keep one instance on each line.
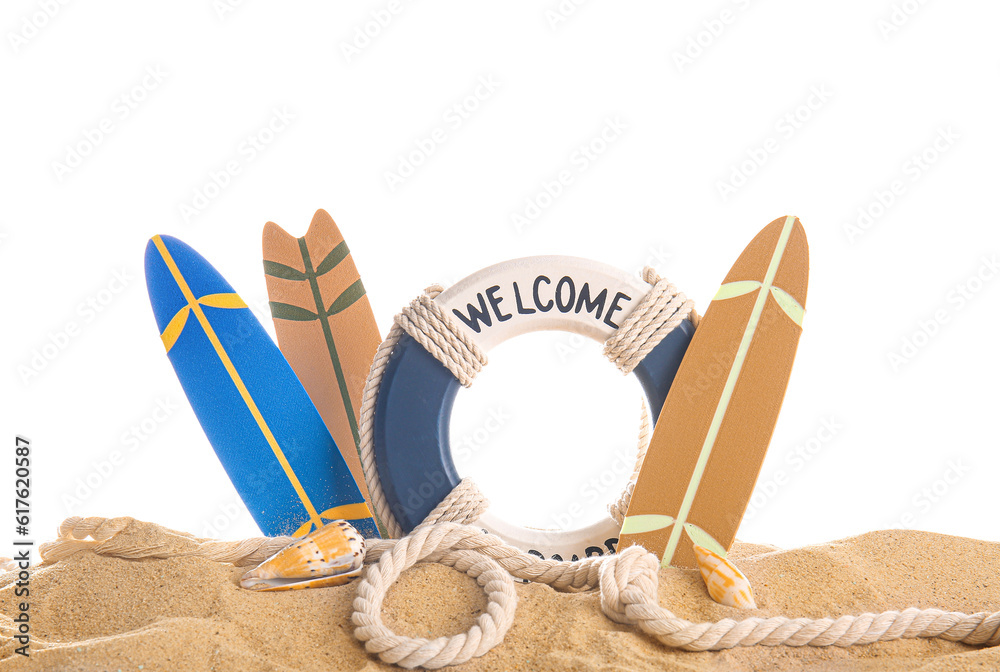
(627,581)
(435,543)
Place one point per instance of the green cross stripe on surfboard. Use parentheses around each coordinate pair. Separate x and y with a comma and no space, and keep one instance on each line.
(719,437)
(347,298)
(324,324)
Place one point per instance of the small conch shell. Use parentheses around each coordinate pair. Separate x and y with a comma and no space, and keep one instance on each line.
(726,584)
(330,556)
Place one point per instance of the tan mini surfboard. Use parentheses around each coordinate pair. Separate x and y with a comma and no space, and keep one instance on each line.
(324,323)
(707,448)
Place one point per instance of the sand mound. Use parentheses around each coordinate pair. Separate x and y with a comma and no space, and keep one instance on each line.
(98,613)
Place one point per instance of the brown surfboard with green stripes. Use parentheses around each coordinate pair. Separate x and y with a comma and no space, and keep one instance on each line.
(324,323)
(708,446)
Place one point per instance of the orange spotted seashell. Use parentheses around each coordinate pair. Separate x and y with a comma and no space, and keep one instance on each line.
(726,584)
(329,556)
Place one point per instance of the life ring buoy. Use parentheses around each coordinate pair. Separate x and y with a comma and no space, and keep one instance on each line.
(413,410)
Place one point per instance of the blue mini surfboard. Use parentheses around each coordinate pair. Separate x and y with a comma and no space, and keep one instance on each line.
(264,428)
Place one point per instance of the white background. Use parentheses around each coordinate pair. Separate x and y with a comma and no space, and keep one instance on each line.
(700,92)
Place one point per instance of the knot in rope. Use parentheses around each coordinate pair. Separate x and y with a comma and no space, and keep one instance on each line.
(626,579)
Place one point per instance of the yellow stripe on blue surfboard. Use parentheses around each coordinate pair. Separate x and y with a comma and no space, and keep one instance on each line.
(264,429)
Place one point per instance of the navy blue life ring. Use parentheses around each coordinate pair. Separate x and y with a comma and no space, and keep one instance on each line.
(417,393)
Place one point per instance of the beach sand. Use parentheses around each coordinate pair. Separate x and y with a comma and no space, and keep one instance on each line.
(91,613)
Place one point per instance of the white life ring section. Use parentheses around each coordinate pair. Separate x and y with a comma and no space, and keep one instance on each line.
(542,293)
(417,393)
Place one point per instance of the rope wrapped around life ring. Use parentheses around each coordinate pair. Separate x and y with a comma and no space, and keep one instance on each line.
(661,310)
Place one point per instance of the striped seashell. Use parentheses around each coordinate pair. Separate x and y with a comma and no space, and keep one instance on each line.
(726,584)
(330,556)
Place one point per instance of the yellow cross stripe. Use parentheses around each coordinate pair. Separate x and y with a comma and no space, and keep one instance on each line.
(645,522)
(174,328)
(176,325)
(305,528)
(229,300)
(355,511)
(786,301)
(348,512)
(737,288)
(792,308)
(231,369)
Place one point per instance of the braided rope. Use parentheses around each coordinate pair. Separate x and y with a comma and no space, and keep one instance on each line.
(127,537)
(628,595)
(432,543)
(464,504)
(619,507)
(628,584)
(662,309)
(441,336)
